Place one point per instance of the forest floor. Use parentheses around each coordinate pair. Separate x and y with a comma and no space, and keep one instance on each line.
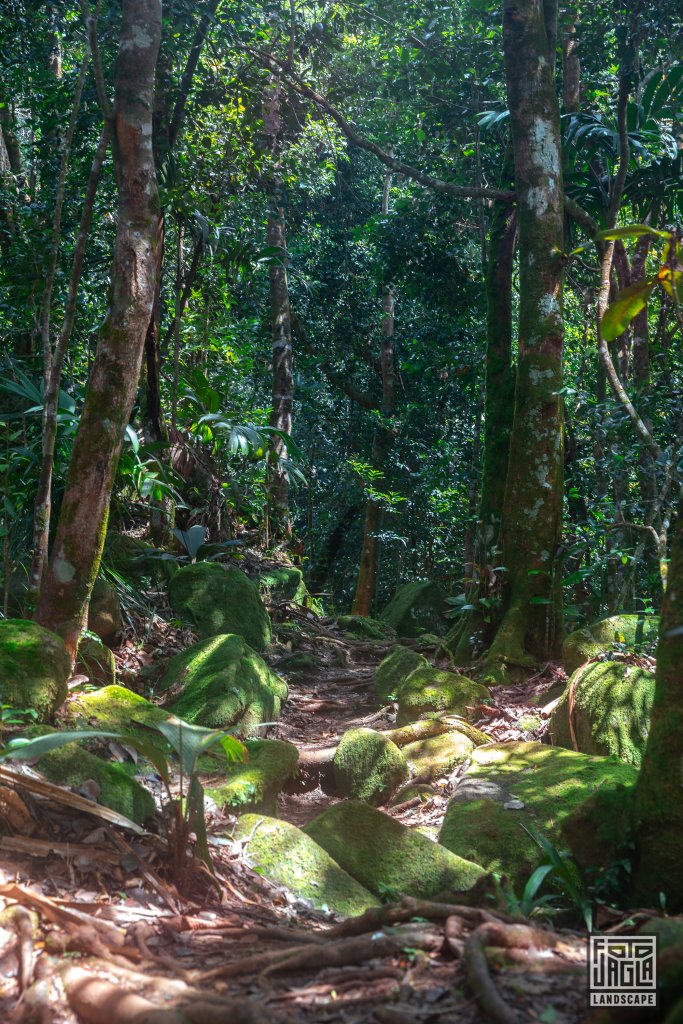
(105,936)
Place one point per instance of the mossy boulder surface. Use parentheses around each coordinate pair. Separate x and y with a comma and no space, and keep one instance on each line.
(34,667)
(364,626)
(222,683)
(430,690)
(117,709)
(437,755)
(513,784)
(421,790)
(284,583)
(287,856)
(634,632)
(368,766)
(386,857)
(96,662)
(219,600)
(417,607)
(394,670)
(71,766)
(611,703)
(256,783)
(104,612)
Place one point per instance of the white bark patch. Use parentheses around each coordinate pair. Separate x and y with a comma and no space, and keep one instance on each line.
(537,200)
(140,39)
(544,148)
(548,305)
(64,571)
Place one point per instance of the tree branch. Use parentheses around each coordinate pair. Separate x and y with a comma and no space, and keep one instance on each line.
(91,28)
(363,399)
(190,68)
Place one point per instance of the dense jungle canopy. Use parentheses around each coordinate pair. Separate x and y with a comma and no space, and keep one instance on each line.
(341,447)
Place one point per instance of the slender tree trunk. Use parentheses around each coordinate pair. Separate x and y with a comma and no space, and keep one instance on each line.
(532,513)
(116,368)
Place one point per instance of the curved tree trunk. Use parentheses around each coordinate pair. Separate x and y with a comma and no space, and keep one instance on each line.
(113,381)
(532,514)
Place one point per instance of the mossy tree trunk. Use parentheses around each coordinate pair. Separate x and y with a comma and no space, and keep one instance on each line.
(659,792)
(115,372)
(530,627)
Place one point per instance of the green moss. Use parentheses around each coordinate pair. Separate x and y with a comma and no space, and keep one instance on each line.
(549,783)
(612,704)
(96,661)
(221,682)
(104,612)
(386,857)
(368,766)
(417,607)
(360,625)
(633,632)
(287,856)
(71,765)
(256,783)
(427,690)
(284,584)
(299,663)
(34,667)
(438,755)
(394,670)
(117,709)
(218,600)
(420,790)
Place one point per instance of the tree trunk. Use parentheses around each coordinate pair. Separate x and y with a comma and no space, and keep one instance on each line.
(116,368)
(532,513)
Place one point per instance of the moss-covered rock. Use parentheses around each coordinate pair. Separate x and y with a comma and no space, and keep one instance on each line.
(96,662)
(104,612)
(129,556)
(633,632)
(34,667)
(417,607)
(428,690)
(117,709)
(219,600)
(299,664)
(284,583)
(287,856)
(421,790)
(611,705)
(438,755)
(256,783)
(368,766)
(394,670)
(513,784)
(363,626)
(222,683)
(71,766)
(386,857)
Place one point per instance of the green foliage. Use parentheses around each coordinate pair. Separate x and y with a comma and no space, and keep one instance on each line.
(557,870)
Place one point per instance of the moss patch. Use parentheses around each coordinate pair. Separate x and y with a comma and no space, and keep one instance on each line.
(289,857)
(417,607)
(96,662)
(437,755)
(394,670)
(368,766)
(256,783)
(104,612)
(548,782)
(633,632)
(612,703)
(71,766)
(218,600)
(221,682)
(284,584)
(360,625)
(386,857)
(420,790)
(34,667)
(428,690)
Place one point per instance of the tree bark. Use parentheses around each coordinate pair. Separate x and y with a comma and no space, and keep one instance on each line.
(532,512)
(116,368)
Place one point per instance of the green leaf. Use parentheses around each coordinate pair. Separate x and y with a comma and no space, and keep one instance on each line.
(626,306)
(631,231)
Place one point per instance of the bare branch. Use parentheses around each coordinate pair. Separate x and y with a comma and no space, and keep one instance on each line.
(190,68)
(91,28)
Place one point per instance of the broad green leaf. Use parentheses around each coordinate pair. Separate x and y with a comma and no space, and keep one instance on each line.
(625,307)
(630,231)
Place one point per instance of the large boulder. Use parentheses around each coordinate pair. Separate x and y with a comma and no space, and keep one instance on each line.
(73,766)
(394,670)
(435,756)
(104,612)
(632,632)
(386,857)
(96,662)
(509,785)
(363,626)
(287,856)
(609,704)
(34,668)
(116,709)
(219,600)
(430,690)
(222,683)
(417,607)
(256,783)
(368,766)
(283,583)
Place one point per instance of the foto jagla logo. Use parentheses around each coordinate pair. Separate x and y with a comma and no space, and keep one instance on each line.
(622,970)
